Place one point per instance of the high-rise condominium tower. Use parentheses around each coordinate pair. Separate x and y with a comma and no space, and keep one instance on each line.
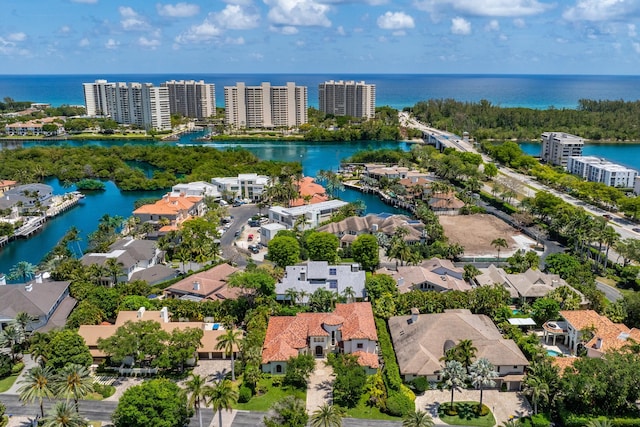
(265,106)
(191,98)
(350,98)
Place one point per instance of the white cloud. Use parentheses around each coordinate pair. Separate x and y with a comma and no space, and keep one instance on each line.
(236,41)
(256,56)
(65,29)
(562,40)
(395,21)
(286,30)
(631,30)
(601,10)
(200,33)
(340,31)
(300,13)
(148,43)
(112,44)
(636,47)
(493,25)
(236,18)
(84,42)
(460,26)
(518,22)
(17,37)
(131,20)
(484,7)
(178,10)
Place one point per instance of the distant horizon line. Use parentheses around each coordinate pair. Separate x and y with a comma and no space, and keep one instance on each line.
(318,74)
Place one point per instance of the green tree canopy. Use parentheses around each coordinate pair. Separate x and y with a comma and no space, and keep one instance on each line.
(322,246)
(284,251)
(365,251)
(67,347)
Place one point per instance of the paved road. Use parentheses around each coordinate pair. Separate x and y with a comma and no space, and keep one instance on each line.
(93,410)
(611,293)
(241,215)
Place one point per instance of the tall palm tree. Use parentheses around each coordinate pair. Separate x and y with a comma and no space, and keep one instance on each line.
(417,419)
(599,423)
(455,376)
(221,396)
(22,270)
(349,294)
(37,384)
(482,374)
(499,243)
(327,416)
(227,342)
(23,320)
(465,352)
(537,390)
(74,382)
(62,415)
(12,337)
(114,267)
(291,294)
(197,393)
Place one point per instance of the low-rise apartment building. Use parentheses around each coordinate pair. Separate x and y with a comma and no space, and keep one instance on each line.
(307,216)
(244,186)
(596,169)
(557,147)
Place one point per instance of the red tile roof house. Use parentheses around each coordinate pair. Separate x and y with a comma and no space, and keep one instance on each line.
(175,209)
(349,329)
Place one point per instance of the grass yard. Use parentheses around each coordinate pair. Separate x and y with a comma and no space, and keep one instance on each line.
(466,415)
(6,383)
(274,393)
(368,412)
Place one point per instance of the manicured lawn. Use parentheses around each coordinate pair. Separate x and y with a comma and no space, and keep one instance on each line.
(274,393)
(467,415)
(7,382)
(368,412)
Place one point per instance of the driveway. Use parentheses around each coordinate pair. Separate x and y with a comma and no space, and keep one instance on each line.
(320,386)
(504,405)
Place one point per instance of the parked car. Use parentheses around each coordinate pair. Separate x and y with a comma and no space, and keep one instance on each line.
(637,230)
(254,223)
(250,238)
(254,248)
(237,233)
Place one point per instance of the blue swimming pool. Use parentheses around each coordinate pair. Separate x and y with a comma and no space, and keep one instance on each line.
(553,353)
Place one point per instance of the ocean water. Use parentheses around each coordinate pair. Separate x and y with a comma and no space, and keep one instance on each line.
(395,90)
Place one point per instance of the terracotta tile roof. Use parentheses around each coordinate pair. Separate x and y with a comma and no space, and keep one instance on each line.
(563,362)
(169,205)
(608,336)
(308,187)
(367,359)
(286,335)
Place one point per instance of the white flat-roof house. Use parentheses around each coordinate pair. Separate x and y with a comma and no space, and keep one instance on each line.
(596,169)
(269,231)
(198,188)
(557,147)
(244,186)
(314,215)
(313,275)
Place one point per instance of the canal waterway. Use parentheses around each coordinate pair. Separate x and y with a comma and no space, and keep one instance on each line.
(86,215)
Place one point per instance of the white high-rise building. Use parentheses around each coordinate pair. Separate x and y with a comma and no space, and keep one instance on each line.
(347,98)
(557,147)
(96,97)
(265,106)
(191,98)
(139,104)
(595,169)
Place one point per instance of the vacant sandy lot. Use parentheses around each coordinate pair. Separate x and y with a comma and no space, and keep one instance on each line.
(476,232)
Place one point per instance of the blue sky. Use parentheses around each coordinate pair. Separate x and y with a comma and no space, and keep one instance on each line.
(319,36)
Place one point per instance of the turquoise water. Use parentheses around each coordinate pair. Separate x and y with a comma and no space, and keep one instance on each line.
(85,216)
(624,154)
(395,90)
(553,353)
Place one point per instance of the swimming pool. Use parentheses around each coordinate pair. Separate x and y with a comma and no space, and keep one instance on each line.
(553,353)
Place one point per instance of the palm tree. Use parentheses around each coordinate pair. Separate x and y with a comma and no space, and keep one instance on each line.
(455,376)
(227,342)
(599,423)
(197,393)
(465,352)
(23,320)
(327,416)
(37,384)
(537,390)
(74,381)
(513,422)
(499,243)
(23,270)
(417,419)
(482,374)
(291,294)
(62,415)
(349,294)
(221,396)
(12,337)
(114,267)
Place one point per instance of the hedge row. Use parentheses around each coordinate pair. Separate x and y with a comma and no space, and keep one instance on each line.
(571,420)
(391,371)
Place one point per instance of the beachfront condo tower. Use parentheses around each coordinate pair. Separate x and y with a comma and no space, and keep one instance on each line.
(350,98)
(190,98)
(557,147)
(265,106)
(139,104)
